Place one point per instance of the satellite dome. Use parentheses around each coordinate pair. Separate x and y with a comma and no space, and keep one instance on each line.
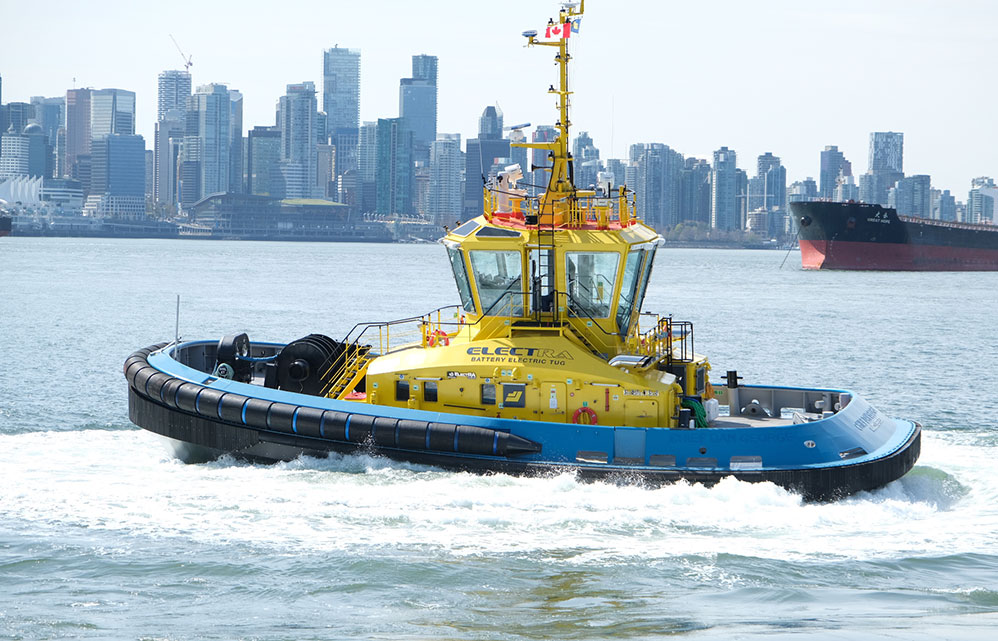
(33,128)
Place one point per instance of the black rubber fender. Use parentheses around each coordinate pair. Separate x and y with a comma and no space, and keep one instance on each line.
(476,440)
(168,394)
(155,384)
(187,397)
(360,428)
(207,402)
(385,432)
(281,417)
(334,425)
(230,408)
(142,377)
(308,422)
(412,434)
(441,437)
(255,413)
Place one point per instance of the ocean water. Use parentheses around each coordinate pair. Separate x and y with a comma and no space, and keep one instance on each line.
(104,536)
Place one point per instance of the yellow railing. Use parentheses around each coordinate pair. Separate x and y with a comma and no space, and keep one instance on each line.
(582,208)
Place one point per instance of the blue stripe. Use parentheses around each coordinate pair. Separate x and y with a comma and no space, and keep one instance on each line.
(456,432)
(495,444)
(322,425)
(427,437)
(245,403)
(294,421)
(176,394)
(197,401)
(349,416)
(218,408)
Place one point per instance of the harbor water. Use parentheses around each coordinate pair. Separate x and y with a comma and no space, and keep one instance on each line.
(104,536)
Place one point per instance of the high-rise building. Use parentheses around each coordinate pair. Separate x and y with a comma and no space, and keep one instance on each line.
(886,166)
(341,102)
(235,142)
(833,165)
(540,177)
(50,114)
(394,170)
(174,91)
(945,207)
(658,183)
(297,115)
(208,122)
(367,167)
(263,160)
(418,104)
(112,111)
(118,181)
(911,196)
(586,159)
(445,179)
(22,154)
(77,131)
(480,156)
(169,132)
(981,201)
(724,209)
(19,114)
(694,198)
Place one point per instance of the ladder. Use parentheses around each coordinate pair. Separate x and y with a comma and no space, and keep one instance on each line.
(353,369)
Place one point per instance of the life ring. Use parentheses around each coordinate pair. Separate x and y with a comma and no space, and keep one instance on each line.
(438,336)
(588,411)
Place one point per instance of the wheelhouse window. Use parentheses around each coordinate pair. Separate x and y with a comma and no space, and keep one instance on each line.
(461,276)
(590,277)
(649,262)
(498,276)
(628,287)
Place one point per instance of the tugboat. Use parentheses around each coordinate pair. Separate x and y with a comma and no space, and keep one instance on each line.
(546,366)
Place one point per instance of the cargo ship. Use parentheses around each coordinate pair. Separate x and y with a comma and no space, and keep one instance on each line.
(6,223)
(852,235)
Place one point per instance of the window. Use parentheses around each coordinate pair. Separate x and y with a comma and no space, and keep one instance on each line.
(590,277)
(628,286)
(461,276)
(488,394)
(401,390)
(430,391)
(498,277)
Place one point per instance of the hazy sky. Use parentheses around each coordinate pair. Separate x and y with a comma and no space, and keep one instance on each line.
(786,76)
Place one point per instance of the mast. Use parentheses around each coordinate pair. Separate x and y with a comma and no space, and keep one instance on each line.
(561,184)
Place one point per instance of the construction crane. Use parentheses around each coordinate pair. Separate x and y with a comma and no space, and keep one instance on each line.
(187,59)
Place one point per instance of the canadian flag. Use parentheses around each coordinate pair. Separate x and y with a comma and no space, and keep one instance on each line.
(559,30)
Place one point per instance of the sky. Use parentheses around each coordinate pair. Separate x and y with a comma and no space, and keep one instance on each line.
(784,76)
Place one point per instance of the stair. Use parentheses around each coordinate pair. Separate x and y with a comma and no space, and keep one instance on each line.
(349,373)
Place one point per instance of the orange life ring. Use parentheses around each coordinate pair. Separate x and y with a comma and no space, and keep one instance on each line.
(588,411)
(438,336)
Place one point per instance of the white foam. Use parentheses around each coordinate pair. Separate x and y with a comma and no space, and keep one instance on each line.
(125,481)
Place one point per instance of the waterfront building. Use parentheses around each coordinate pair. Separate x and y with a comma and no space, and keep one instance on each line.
(803,191)
(296,118)
(981,201)
(341,102)
(724,209)
(118,181)
(833,165)
(945,207)
(658,183)
(169,131)
(263,160)
(24,154)
(445,179)
(886,166)
(174,90)
(418,104)
(393,177)
(367,166)
(209,122)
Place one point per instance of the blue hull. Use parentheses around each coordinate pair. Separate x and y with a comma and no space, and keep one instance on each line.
(856,449)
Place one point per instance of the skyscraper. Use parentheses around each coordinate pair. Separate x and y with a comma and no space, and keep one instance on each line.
(235,142)
(341,102)
(77,130)
(886,166)
(297,114)
(658,183)
(911,196)
(210,115)
(263,159)
(694,199)
(174,91)
(418,104)
(112,111)
(367,167)
(724,210)
(833,164)
(169,132)
(394,170)
(118,175)
(445,179)
(482,153)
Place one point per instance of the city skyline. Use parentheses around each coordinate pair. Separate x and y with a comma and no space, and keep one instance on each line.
(847,71)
